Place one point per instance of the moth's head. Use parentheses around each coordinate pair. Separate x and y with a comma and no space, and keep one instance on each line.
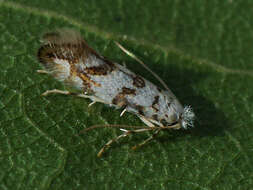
(187,117)
(176,116)
(180,117)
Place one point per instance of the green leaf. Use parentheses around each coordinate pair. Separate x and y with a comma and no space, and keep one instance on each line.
(203,51)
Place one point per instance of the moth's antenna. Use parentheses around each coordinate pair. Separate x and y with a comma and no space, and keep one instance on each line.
(122,127)
(118,126)
(141,62)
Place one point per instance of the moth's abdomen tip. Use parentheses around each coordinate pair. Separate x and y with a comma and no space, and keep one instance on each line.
(41,55)
(46,55)
(50,36)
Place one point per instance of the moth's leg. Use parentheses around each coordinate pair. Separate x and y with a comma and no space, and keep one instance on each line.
(107,145)
(176,126)
(90,104)
(94,99)
(56,91)
(125,134)
(147,140)
(147,122)
(124,110)
(43,72)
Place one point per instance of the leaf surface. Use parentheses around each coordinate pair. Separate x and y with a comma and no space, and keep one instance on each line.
(203,51)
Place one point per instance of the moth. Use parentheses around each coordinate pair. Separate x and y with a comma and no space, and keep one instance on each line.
(69,59)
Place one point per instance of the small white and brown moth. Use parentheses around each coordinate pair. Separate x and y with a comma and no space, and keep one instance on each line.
(68,58)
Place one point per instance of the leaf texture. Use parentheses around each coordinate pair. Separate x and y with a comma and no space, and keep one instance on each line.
(203,51)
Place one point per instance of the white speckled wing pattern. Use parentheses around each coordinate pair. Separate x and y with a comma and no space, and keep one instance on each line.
(67,56)
(123,88)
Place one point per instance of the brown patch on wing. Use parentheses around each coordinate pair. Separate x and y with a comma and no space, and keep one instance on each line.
(138,82)
(100,70)
(68,45)
(159,89)
(64,44)
(128,91)
(155,103)
(120,99)
(155,117)
(104,69)
(140,109)
(86,80)
(69,52)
